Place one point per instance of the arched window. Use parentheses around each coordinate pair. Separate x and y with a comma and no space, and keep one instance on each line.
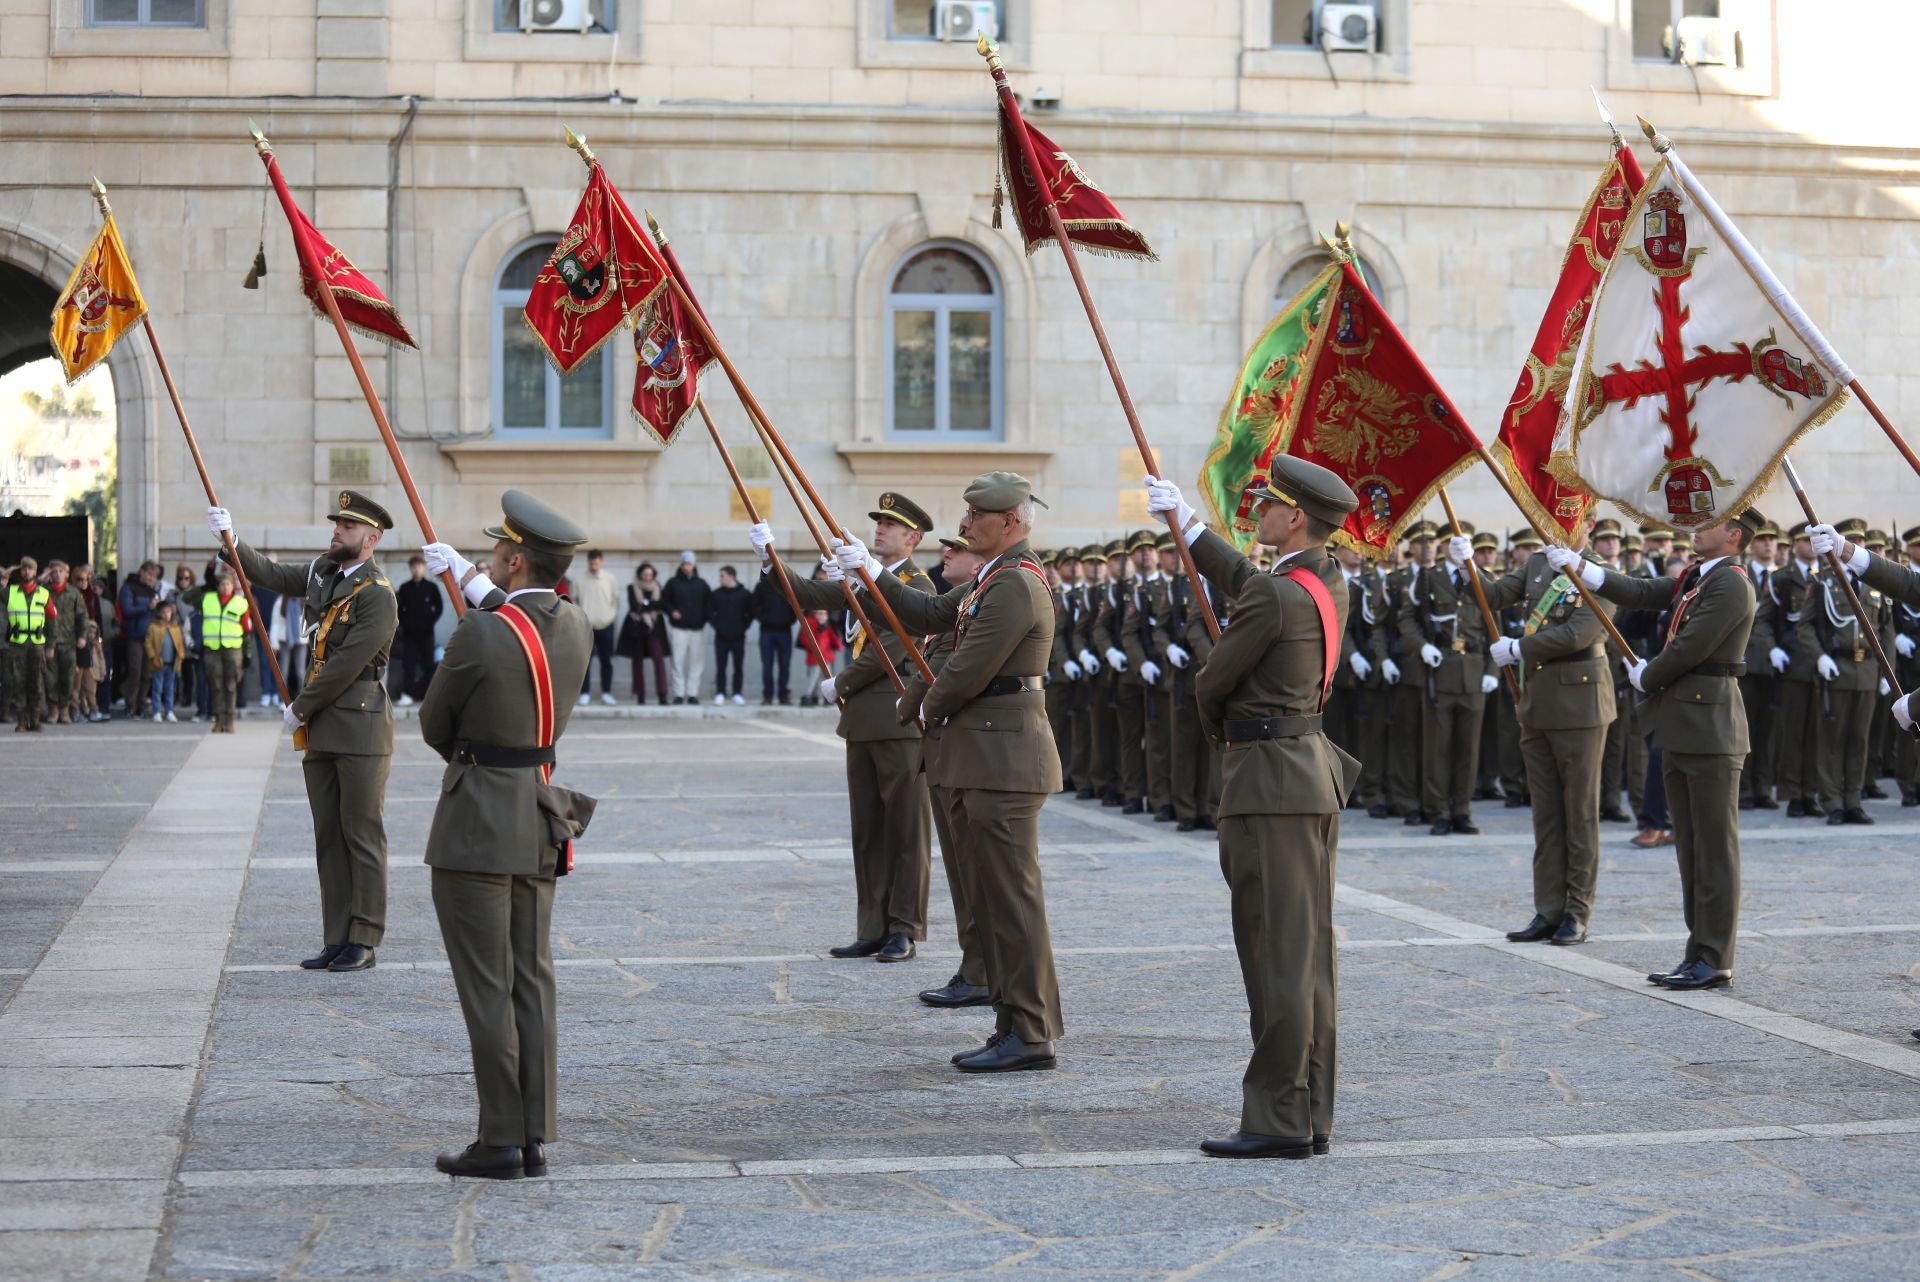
(1304,268)
(530,397)
(943,346)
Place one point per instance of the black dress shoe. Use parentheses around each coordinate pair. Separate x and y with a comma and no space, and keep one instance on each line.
(1615,815)
(1916,1034)
(1909,798)
(1695,976)
(1571,930)
(1085,794)
(325,959)
(1008,1055)
(957,992)
(1853,815)
(1516,802)
(1134,806)
(1185,825)
(1661,977)
(1488,793)
(1464,824)
(535,1154)
(1873,792)
(898,948)
(1414,819)
(1796,809)
(484,1162)
(1110,798)
(1837,817)
(1814,810)
(1765,803)
(352,957)
(1322,1145)
(1247,1144)
(1378,810)
(1533,932)
(858,948)
(1164,815)
(1395,811)
(1204,823)
(971,1051)
(1441,827)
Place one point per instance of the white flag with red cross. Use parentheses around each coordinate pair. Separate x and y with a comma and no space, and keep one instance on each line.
(1697,372)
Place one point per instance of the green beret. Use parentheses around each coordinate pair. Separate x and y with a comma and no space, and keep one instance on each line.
(999,492)
(898,507)
(527,521)
(355,506)
(1313,489)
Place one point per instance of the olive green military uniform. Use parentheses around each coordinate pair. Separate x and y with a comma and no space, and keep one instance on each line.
(886,788)
(1797,730)
(1901,585)
(1406,702)
(1760,691)
(1828,626)
(1079,636)
(349,723)
(1199,643)
(64,631)
(998,758)
(1261,694)
(1442,612)
(1693,705)
(1128,691)
(1062,691)
(1566,703)
(1625,766)
(1107,765)
(500,828)
(1143,647)
(1187,742)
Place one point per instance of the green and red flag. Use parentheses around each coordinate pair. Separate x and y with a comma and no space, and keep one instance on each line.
(1335,382)
(362,305)
(604,269)
(1525,444)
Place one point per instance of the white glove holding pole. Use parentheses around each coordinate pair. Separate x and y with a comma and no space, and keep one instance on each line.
(761,535)
(1903,711)
(1828,668)
(1560,558)
(1164,496)
(831,568)
(1779,659)
(219,522)
(1459,549)
(1489,683)
(1361,665)
(1089,663)
(1116,659)
(1566,560)
(1430,655)
(853,557)
(441,558)
(1391,671)
(1072,670)
(1825,539)
(1634,670)
(1505,652)
(1178,657)
(1150,672)
(1904,644)
(826,692)
(290,717)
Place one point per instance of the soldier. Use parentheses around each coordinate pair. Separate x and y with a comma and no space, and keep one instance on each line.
(1834,638)
(1625,763)
(1445,628)
(968,987)
(997,755)
(1521,545)
(1882,737)
(66,626)
(1566,703)
(1364,650)
(350,612)
(1407,705)
(1344,716)
(1079,640)
(224,622)
(1798,728)
(1495,729)
(1063,669)
(1144,656)
(1906,642)
(1129,686)
(29,617)
(1659,543)
(1107,766)
(1694,708)
(1263,693)
(1177,613)
(502,832)
(886,789)
(1760,684)
(1899,585)
(1633,556)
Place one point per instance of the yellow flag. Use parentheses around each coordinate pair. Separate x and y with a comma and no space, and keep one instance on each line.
(101,302)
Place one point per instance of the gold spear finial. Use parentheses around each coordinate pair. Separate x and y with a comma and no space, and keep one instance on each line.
(579,144)
(1344,234)
(653,225)
(260,143)
(1341,253)
(988,50)
(100,199)
(1661,143)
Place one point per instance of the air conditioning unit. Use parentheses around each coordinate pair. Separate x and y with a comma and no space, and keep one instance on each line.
(1708,42)
(1348,28)
(574,16)
(967,19)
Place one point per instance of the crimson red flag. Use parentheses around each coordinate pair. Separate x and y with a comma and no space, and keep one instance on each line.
(603,270)
(669,359)
(1093,222)
(1525,444)
(360,301)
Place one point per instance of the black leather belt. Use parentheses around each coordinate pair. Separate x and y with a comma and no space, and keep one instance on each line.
(1010,685)
(1720,668)
(1252,728)
(492,754)
(1579,656)
(373,672)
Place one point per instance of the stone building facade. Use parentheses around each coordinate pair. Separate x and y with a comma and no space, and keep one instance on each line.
(824,170)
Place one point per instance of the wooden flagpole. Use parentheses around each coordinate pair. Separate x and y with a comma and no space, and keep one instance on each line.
(1843,576)
(400,468)
(1480,594)
(992,54)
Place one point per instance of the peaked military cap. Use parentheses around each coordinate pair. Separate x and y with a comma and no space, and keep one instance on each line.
(1682,543)
(1116,548)
(1066,554)
(1525,538)
(1093,552)
(534,525)
(958,542)
(355,506)
(1877,540)
(1767,530)
(1851,528)
(1634,543)
(898,507)
(1655,531)
(1606,527)
(1910,537)
(1466,528)
(1756,524)
(1486,539)
(1799,531)
(1308,486)
(1164,543)
(1422,530)
(1139,539)
(999,492)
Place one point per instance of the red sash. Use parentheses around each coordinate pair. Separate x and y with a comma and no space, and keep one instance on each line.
(543,719)
(1329,622)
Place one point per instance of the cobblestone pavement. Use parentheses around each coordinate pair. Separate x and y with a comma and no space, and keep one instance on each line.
(736,1105)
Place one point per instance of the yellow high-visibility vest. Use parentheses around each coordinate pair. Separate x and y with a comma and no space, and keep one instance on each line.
(220,623)
(27,614)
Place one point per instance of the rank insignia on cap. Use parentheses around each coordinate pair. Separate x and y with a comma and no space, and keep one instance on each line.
(886,500)
(346,499)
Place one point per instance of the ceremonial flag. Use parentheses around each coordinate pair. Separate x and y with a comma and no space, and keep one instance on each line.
(1356,400)
(603,270)
(1093,222)
(1525,443)
(360,301)
(101,302)
(670,354)
(1698,370)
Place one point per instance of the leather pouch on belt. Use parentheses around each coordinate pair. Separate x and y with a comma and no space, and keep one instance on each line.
(567,812)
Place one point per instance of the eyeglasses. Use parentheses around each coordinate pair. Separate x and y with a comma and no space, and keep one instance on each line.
(974,514)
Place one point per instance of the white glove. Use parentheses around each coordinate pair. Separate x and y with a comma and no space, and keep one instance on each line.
(440,558)
(1903,711)
(218,522)
(1505,651)
(1634,670)
(826,692)
(1178,657)
(1072,670)
(1828,668)
(1560,558)
(832,569)
(1150,672)
(1391,671)
(853,556)
(1089,664)
(1825,539)
(1459,549)
(1885,688)
(1489,683)
(1361,665)
(1117,660)
(1430,655)
(761,535)
(1164,496)
(1779,659)
(292,718)
(1903,643)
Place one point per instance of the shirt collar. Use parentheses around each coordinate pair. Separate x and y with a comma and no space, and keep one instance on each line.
(1706,567)
(353,569)
(526,592)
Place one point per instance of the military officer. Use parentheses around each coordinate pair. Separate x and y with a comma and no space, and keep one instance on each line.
(1187,742)
(1566,703)
(1760,686)
(968,987)
(502,831)
(1407,706)
(1063,669)
(997,755)
(1343,715)
(1263,692)
(1128,685)
(1835,638)
(886,789)
(1107,757)
(350,616)
(1500,769)
(1624,766)
(1144,656)
(1694,708)
(1364,658)
(1798,727)
(1444,627)
(1898,584)
(1079,642)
